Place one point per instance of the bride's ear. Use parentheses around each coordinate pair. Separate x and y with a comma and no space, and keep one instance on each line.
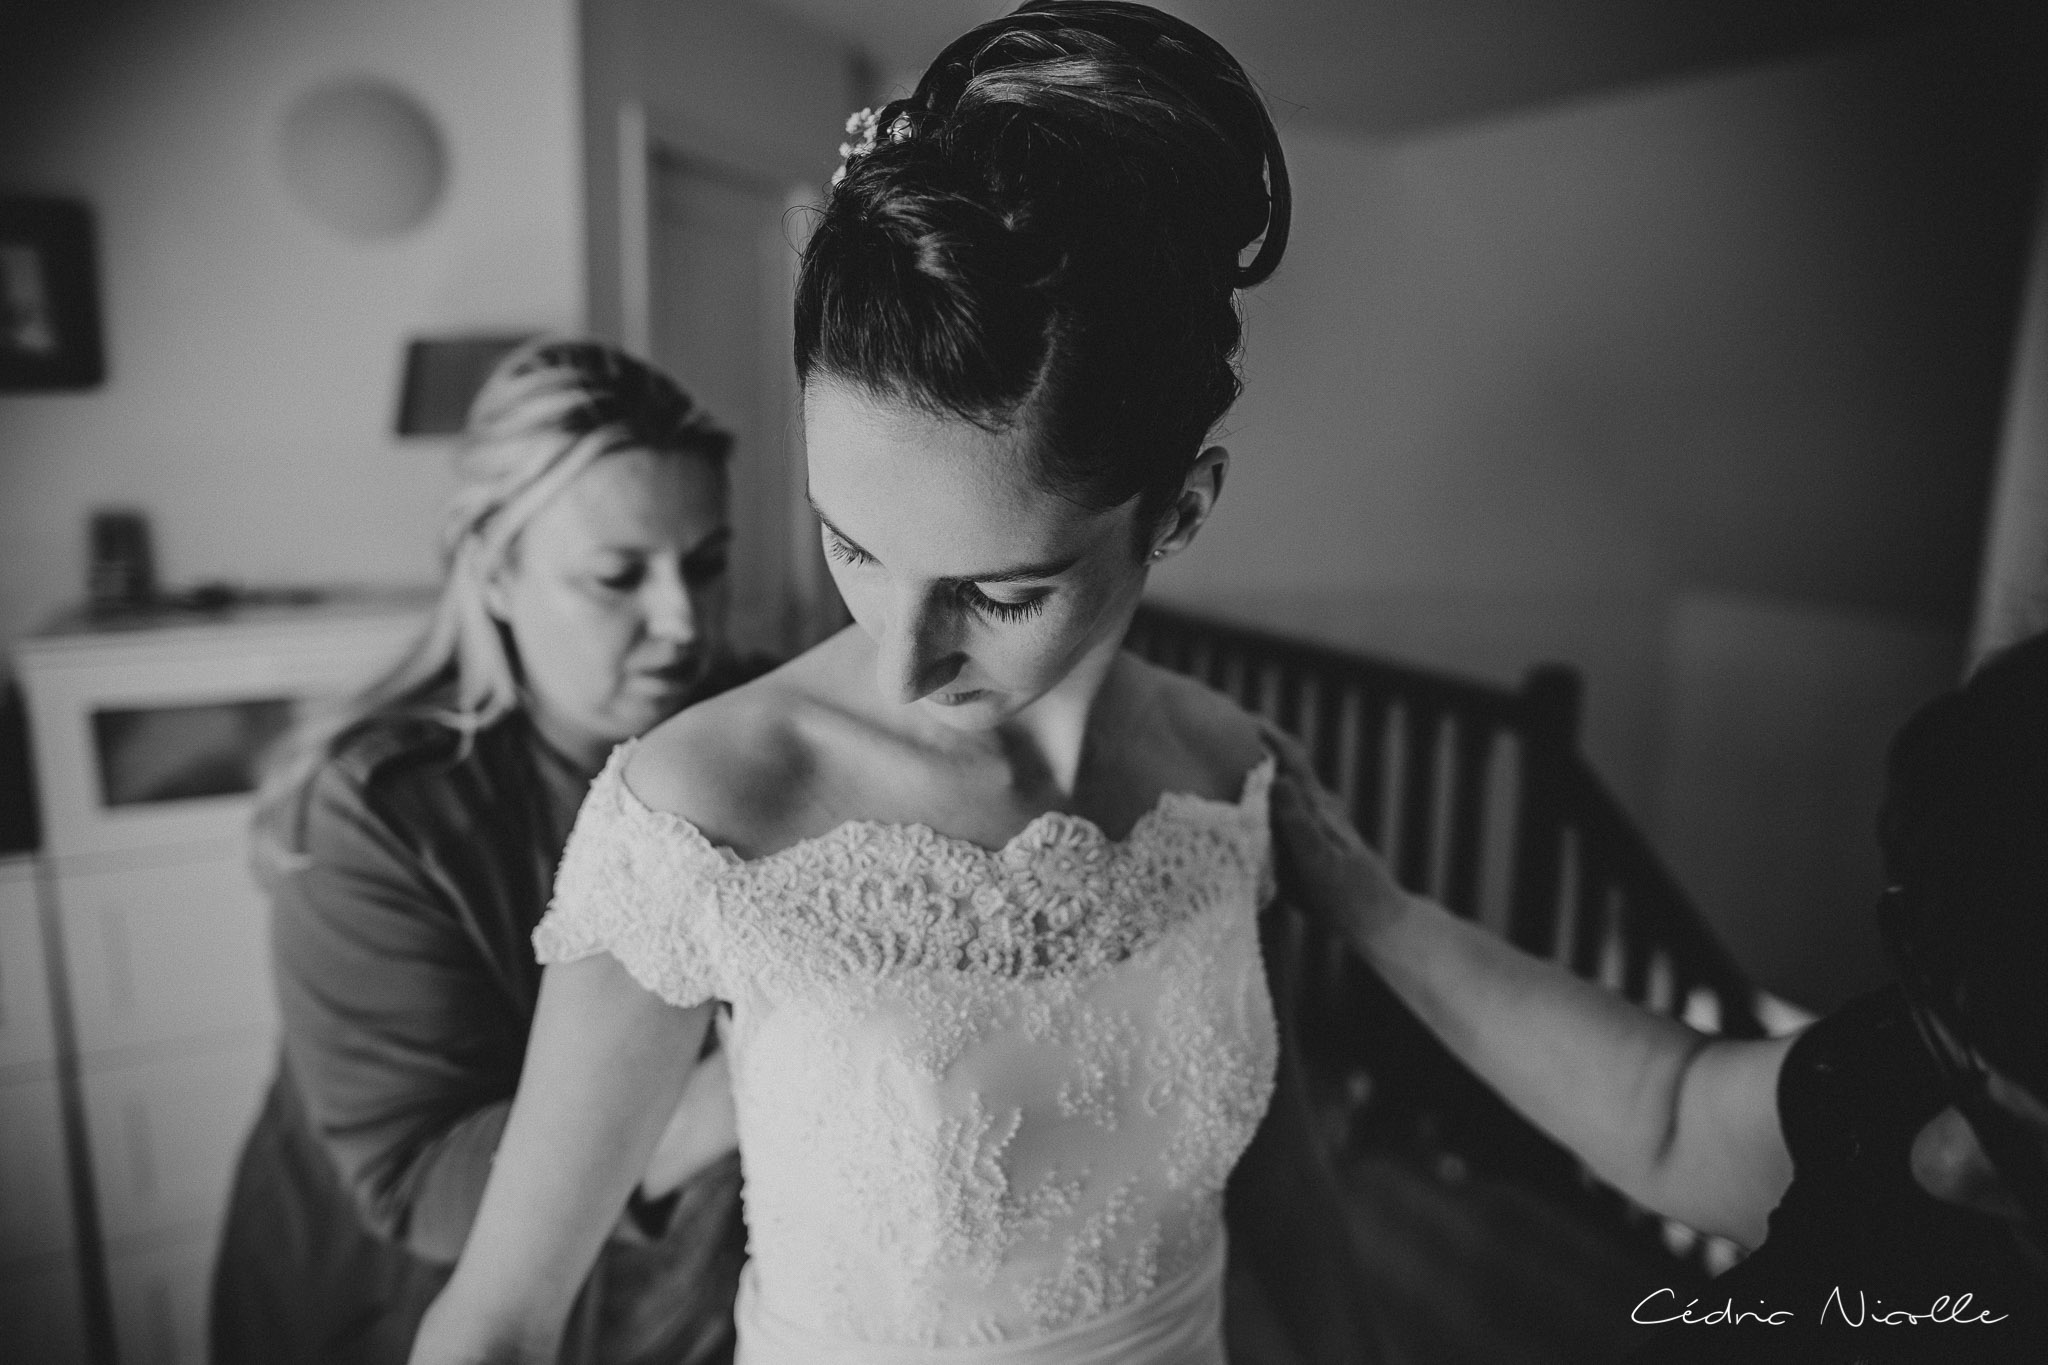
(1191,507)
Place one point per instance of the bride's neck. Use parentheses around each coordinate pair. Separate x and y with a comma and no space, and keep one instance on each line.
(1052,734)
(1044,744)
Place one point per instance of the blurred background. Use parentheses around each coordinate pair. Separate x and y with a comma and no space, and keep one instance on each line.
(1687,344)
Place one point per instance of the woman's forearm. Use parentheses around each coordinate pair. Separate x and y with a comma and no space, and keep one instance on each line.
(605,1065)
(1681,1122)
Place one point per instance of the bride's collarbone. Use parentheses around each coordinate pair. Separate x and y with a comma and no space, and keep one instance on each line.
(887,782)
(988,803)
(803,760)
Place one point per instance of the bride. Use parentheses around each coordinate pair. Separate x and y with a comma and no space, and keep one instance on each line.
(971,894)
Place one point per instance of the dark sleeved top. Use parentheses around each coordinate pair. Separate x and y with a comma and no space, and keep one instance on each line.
(407,984)
(1861,1265)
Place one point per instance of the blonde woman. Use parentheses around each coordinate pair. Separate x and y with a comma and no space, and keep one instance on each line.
(407,846)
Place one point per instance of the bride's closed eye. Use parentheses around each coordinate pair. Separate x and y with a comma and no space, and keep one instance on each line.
(1023,610)
(844,550)
(970,595)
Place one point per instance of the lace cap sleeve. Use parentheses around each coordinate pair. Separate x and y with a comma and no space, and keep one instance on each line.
(1257,799)
(638,884)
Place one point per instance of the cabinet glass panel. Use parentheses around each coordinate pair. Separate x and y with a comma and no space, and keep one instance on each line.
(152,754)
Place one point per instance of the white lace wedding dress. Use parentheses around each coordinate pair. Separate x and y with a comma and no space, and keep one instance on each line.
(987,1099)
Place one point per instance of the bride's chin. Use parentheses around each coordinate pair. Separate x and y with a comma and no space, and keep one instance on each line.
(969,709)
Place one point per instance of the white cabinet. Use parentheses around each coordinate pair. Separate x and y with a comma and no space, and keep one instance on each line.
(175,1027)
(165,1134)
(168,949)
(146,743)
(39,1271)
(35,1197)
(144,736)
(27,1032)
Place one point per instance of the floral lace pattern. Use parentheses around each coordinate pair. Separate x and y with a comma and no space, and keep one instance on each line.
(982,1094)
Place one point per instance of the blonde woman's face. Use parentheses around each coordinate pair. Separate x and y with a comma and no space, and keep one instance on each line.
(615,596)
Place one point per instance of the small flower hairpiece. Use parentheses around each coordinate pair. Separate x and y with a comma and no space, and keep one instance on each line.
(864,126)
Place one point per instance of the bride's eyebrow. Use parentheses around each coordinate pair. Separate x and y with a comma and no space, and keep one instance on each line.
(1016,573)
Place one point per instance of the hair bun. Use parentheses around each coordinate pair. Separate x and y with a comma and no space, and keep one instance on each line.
(1050,230)
(1094,77)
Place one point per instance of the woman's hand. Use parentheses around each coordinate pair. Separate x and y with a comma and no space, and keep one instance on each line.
(1320,854)
(700,1131)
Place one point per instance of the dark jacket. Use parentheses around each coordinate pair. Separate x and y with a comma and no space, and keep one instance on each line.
(1855,1239)
(407,984)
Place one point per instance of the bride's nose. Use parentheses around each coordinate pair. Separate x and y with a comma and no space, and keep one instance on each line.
(915,652)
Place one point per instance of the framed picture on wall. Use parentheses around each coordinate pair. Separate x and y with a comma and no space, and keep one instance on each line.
(49,296)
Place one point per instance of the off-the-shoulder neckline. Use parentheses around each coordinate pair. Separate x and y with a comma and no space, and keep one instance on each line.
(1037,832)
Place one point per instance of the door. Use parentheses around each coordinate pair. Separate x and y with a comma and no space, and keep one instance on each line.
(723,253)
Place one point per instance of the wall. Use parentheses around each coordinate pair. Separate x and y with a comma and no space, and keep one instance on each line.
(1777,716)
(1743,331)
(1526,388)
(253,354)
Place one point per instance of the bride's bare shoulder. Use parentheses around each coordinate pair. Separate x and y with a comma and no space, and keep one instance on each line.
(1222,737)
(737,766)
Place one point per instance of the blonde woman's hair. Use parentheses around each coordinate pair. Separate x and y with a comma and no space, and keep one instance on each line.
(547,411)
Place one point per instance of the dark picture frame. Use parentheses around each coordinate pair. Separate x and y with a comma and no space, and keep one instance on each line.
(49,296)
(442,377)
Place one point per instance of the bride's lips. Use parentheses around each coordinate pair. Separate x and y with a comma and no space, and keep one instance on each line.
(672,675)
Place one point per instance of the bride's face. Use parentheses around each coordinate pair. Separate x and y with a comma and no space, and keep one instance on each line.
(981,590)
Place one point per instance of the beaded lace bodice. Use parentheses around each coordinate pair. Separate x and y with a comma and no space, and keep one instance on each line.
(982,1094)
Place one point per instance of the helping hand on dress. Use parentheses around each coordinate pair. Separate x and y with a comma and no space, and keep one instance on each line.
(1320,853)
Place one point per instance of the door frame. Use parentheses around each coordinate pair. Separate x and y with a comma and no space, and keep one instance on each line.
(647,131)
(650,131)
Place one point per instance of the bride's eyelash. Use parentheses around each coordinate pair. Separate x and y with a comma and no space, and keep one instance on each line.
(846,552)
(1000,611)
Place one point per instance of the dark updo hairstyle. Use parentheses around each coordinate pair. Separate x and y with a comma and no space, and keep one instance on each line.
(1964,830)
(1046,236)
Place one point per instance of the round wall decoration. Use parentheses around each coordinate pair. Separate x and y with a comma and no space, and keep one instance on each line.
(363,157)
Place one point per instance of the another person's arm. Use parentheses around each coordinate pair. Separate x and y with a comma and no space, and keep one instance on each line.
(1682,1122)
(404,1021)
(605,1065)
